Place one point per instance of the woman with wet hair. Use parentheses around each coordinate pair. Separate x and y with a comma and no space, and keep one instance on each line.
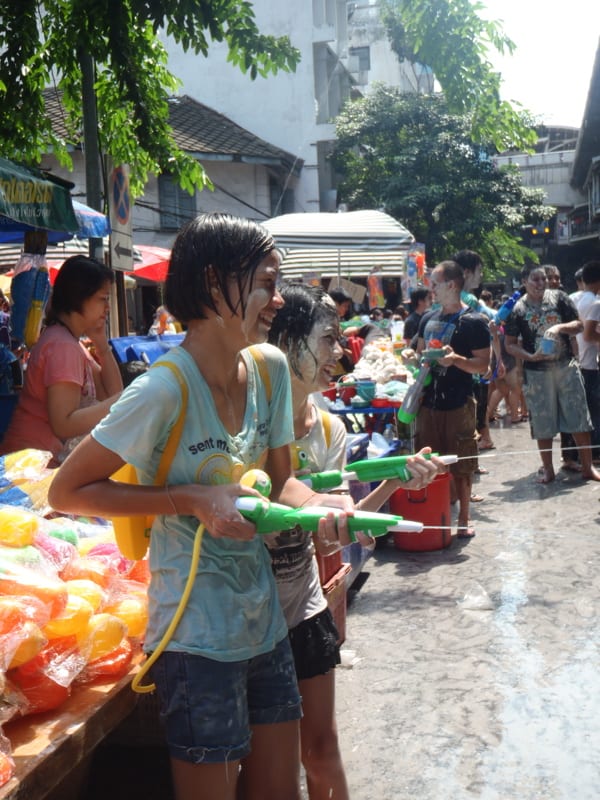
(307,330)
(225,680)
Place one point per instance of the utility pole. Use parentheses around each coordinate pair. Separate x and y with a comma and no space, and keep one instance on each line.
(91,145)
(94,184)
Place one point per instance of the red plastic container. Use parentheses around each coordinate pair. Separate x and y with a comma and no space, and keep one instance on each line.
(431,506)
(346,392)
(335,593)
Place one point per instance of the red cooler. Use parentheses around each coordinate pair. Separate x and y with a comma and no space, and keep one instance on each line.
(431,506)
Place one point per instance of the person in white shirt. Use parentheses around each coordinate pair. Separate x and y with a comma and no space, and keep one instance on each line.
(589,345)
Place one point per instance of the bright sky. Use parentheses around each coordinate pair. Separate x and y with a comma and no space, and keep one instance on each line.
(549,72)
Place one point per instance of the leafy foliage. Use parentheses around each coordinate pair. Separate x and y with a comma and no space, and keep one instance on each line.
(452,39)
(409,155)
(42,46)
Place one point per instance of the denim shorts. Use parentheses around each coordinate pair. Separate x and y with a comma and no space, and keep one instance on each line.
(208,706)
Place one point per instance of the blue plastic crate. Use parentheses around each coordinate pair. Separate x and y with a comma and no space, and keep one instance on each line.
(144,348)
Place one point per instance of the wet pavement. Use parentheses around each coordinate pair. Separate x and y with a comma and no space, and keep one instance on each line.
(476,669)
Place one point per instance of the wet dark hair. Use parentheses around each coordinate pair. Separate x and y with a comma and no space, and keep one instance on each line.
(339,295)
(529,268)
(79,278)
(590,272)
(418,294)
(305,306)
(208,253)
(467,259)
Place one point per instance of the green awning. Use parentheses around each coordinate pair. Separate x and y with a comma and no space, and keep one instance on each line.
(28,196)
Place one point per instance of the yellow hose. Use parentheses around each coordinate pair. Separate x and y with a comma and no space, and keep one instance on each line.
(150,687)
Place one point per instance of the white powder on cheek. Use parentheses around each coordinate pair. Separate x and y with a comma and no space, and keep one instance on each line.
(258,299)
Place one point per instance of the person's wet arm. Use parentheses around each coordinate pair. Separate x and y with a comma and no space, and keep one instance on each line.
(477,363)
(67,419)
(83,485)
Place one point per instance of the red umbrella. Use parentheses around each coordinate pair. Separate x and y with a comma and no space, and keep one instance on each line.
(150,262)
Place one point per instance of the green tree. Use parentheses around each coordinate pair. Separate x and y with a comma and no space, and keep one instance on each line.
(42,44)
(408,154)
(452,39)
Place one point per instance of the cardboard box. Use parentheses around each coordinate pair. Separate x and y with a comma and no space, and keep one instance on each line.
(335,593)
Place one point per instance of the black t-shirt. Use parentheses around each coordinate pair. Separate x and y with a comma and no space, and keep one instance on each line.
(465,332)
(530,322)
(411,324)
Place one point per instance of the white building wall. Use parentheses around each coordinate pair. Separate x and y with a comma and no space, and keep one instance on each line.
(280,109)
(241,189)
(365,29)
(548,171)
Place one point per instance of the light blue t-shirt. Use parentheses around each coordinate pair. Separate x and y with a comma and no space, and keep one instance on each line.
(233,612)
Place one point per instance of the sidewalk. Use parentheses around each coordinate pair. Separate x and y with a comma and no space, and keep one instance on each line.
(476,671)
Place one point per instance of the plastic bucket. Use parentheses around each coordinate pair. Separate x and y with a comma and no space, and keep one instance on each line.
(431,506)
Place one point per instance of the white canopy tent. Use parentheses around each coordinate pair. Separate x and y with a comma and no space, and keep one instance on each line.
(347,244)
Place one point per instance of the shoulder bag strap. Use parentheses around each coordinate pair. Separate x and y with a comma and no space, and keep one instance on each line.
(263,368)
(326,422)
(175,436)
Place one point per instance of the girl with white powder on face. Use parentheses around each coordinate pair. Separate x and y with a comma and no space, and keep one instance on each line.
(226,681)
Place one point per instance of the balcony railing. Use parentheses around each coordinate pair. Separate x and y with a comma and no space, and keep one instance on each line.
(584,229)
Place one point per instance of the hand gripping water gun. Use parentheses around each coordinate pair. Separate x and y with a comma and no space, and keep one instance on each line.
(412,399)
(271,517)
(368,471)
(268,518)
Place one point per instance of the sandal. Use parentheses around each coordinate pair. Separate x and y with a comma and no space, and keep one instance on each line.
(466,533)
(477,498)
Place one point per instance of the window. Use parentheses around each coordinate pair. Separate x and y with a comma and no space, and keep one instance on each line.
(176,205)
(363,56)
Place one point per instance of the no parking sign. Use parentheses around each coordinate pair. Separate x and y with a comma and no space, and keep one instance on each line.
(121,238)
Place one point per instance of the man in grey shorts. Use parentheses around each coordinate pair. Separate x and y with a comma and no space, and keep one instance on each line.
(545,319)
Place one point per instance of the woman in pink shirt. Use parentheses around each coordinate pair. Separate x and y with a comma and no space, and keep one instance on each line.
(67,390)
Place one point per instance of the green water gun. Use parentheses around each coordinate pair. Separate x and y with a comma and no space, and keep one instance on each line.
(367,471)
(271,517)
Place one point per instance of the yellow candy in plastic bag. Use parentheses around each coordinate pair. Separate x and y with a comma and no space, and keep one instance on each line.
(17,526)
(133,612)
(72,621)
(101,636)
(24,465)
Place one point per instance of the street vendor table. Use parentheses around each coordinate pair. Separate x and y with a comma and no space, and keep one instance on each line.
(52,750)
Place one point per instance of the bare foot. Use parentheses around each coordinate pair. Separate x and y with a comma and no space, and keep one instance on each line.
(546,476)
(592,475)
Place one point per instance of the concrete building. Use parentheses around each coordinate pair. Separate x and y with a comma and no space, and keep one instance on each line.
(292,110)
(566,165)
(370,58)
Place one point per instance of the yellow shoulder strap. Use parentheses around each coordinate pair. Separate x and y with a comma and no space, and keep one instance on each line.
(326,422)
(263,369)
(175,436)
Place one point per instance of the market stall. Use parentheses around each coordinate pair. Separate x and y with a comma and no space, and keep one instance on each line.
(340,245)
(73,612)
